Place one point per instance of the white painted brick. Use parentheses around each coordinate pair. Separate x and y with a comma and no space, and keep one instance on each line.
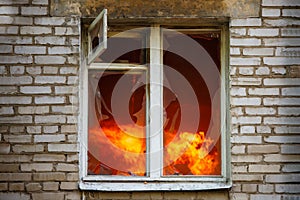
(262,71)
(15,100)
(246,139)
(263,149)
(289,110)
(64,109)
(233,70)
(16,59)
(68,70)
(73,59)
(72,80)
(65,90)
(6,19)
(279,70)
(5,49)
(48,157)
(246,81)
(291,12)
(263,91)
(33,70)
(280,3)
(73,99)
(292,91)
(245,42)
(28,148)
(50,119)
(238,149)
(246,120)
(9,10)
(72,119)
(16,120)
(238,101)
(263,32)
(50,129)
(34,10)
(264,197)
(290,32)
(50,70)
(49,138)
(258,51)
(290,149)
(49,20)
(62,148)
(33,110)
(270,12)
(247,129)
(263,129)
(15,40)
(281,120)
(281,61)
(6,110)
(246,70)
(62,50)
(246,22)
(66,31)
(281,101)
(291,168)
(283,178)
(281,42)
(9,30)
(282,22)
(17,138)
(35,30)
(52,40)
(16,69)
(282,139)
(286,129)
(35,89)
(50,79)
(282,81)
(264,168)
(287,188)
(34,129)
(50,59)
(30,50)
(49,100)
(237,91)
(235,51)
(238,31)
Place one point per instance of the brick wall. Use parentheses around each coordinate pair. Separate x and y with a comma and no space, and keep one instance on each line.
(39,63)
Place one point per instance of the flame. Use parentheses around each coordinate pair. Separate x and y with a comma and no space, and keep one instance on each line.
(116,151)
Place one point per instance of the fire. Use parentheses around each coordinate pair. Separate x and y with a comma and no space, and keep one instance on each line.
(113,151)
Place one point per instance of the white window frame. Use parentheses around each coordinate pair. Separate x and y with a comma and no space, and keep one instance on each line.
(156,180)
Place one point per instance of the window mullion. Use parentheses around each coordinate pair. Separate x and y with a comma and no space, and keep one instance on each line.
(155,110)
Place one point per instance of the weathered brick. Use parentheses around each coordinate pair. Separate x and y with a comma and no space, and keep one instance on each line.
(235,51)
(7,110)
(238,101)
(69,185)
(48,157)
(246,139)
(293,91)
(246,120)
(288,110)
(270,12)
(281,42)
(66,90)
(15,80)
(67,167)
(8,89)
(279,70)
(15,158)
(50,129)
(6,48)
(52,40)
(66,31)
(283,178)
(33,70)
(64,109)
(50,70)
(48,196)
(291,168)
(9,10)
(249,188)
(49,176)
(14,195)
(35,30)
(35,89)
(62,148)
(246,158)
(246,81)
(264,168)
(238,149)
(16,120)
(245,42)
(31,187)
(291,12)
(4,148)
(246,70)
(281,22)
(266,188)
(286,129)
(281,120)
(50,186)
(16,187)
(49,138)
(62,50)
(33,110)
(264,197)
(280,3)
(290,149)
(50,59)
(50,79)
(30,50)
(3,187)
(34,10)
(28,148)
(49,100)
(282,81)
(16,59)
(258,51)
(15,176)
(9,167)
(33,129)
(247,177)
(281,101)
(37,167)
(281,158)
(246,22)
(17,70)
(260,111)
(281,60)
(50,119)
(40,2)
(263,32)
(49,20)
(17,138)
(290,32)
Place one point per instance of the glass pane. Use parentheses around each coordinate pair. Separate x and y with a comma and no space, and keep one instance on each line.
(191,100)
(128,46)
(117,118)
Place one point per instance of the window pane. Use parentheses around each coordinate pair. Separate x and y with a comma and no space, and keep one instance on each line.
(191,99)
(116,126)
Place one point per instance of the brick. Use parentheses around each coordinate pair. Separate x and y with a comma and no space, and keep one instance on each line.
(68,186)
(291,13)
(74,195)
(48,157)
(246,139)
(294,91)
(246,120)
(62,50)
(16,120)
(50,59)
(281,120)
(240,149)
(15,40)
(34,10)
(22,20)
(49,21)
(50,70)
(62,148)
(72,158)
(17,70)
(72,80)
(35,30)
(241,101)
(282,22)
(258,51)
(282,81)
(66,31)
(15,100)
(66,90)
(239,169)
(48,196)
(49,138)
(264,197)
(15,158)
(4,2)
(281,61)
(68,70)
(30,50)
(281,101)
(17,138)
(40,2)
(247,177)
(33,70)
(9,167)
(281,158)
(17,129)
(238,31)
(9,30)
(248,188)
(49,100)
(49,176)
(288,110)
(50,129)
(263,91)
(50,79)
(260,111)
(35,89)
(285,129)
(6,110)
(263,129)
(33,110)
(67,167)
(15,177)
(246,70)
(14,195)
(290,149)
(291,168)
(263,32)
(270,12)
(237,91)
(50,119)
(239,196)
(245,42)
(52,40)
(3,187)
(37,167)
(246,81)
(64,109)
(9,10)
(16,59)
(32,187)
(246,158)
(235,51)
(246,22)
(4,148)
(28,148)
(279,70)
(280,3)
(50,186)
(290,32)
(281,42)
(16,187)
(287,188)
(264,168)
(6,19)
(5,48)
(283,178)
(266,188)
(247,129)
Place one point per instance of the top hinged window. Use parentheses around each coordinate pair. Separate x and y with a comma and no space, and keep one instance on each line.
(97,36)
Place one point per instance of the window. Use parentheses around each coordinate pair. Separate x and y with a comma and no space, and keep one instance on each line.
(153,108)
